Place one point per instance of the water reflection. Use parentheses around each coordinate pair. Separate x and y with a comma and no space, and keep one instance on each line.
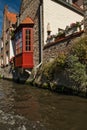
(24,107)
(26,103)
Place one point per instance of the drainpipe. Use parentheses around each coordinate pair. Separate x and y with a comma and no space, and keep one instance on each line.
(40,38)
(40,30)
(29,72)
(17,20)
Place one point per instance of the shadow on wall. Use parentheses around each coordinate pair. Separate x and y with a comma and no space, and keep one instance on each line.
(20,76)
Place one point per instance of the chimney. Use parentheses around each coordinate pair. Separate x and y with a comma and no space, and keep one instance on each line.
(18,21)
(5,9)
(48,29)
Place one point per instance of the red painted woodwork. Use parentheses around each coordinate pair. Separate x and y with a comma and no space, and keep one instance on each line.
(18,60)
(24,38)
(24,60)
(24,47)
(27,60)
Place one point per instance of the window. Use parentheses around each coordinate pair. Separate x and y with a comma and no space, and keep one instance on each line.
(74,1)
(7,58)
(68,1)
(18,42)
(1,60)
(28,45)
(1,44)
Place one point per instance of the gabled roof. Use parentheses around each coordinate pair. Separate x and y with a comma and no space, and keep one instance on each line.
(27,20)
(25,23)
(11,17)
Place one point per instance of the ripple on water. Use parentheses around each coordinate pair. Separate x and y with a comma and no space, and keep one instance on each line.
(27,108)
(16,122)
(1,95)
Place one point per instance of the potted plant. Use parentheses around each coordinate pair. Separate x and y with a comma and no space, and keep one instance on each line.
(78,26)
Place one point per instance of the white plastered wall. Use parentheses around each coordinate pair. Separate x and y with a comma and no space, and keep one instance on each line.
(58,16)
(11,50)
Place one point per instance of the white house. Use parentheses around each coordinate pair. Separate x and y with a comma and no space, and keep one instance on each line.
(61,13)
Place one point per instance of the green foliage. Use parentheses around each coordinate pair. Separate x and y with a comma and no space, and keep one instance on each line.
(47,71)
(77,63)
(50,68)
(45,85)
(60,35)
(80,50)
(74,63)
(74,66)
(60,61)
(12,33)
(6,42)
(76,71)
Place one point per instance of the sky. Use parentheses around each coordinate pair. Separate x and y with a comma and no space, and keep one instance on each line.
(13,6)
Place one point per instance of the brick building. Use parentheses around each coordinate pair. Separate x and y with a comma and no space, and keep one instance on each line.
(56,13)
(9,20)
(43,17)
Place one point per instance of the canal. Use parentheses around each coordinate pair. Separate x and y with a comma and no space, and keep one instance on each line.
(24,107)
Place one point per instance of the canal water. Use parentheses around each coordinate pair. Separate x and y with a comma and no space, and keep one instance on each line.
(24,107)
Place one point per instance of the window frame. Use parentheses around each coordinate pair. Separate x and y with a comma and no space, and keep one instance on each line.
(18,42)
(29,37)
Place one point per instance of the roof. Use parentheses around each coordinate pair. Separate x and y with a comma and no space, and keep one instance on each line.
(70,6)
(11,17)
(27,20)
(76,6)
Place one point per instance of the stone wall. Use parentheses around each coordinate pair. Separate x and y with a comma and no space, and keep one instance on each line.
(24,4)
(6,72)
(85,15)
(52,50)
(31,8)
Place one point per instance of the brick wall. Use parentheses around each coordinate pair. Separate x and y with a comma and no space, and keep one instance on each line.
(31,8)
(85,15)
(5,27)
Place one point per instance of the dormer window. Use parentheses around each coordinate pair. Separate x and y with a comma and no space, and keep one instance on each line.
(69,1)
(74,1)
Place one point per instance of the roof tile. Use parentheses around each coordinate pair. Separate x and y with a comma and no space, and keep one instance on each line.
(27,20)
(11,17)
